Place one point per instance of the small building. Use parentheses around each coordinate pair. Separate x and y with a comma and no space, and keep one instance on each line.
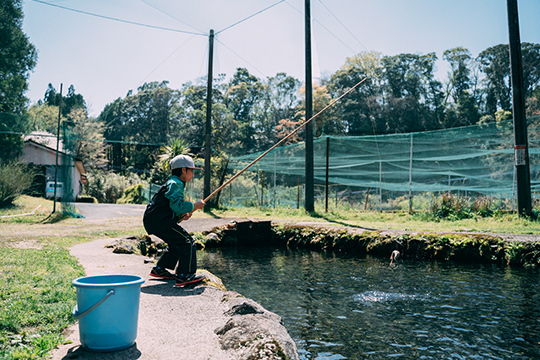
(40,151)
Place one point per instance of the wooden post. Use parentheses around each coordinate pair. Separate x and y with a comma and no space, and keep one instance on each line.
(208,140)
(57,149)
(521,150)
(309,200)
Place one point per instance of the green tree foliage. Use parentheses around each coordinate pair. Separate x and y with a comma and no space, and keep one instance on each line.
(408,86)
(90,142)
(495,63)
(358,110)
(70,101)
(242,98)
(138,124)
(17,58)
(464,110)
(43,117)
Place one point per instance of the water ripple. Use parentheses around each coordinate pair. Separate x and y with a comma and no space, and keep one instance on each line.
(381,296)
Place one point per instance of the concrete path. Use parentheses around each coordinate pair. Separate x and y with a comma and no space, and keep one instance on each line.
(173,323)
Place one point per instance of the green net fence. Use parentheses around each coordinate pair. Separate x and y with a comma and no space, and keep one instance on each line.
(473,160)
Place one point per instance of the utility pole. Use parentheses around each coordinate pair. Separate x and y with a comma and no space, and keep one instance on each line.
(57,147)
(521,150)
(208,141)
(309,201)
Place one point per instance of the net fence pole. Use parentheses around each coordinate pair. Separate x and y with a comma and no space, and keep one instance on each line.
(380,186)
(298,194)
(275,174)
(327,172)
(410,177)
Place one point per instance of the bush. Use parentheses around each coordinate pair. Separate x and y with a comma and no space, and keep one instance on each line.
(133,195)
(14,180)
(457,207)
(108,187)
(86,199)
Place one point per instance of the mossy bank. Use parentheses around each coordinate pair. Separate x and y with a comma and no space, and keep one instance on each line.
(477,248)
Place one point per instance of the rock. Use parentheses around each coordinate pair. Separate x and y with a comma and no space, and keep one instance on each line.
(243,309)
(254,332)
(124,249)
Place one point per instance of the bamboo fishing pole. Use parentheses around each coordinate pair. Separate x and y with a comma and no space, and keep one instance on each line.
(281,141)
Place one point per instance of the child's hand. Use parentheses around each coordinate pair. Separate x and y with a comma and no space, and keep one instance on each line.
(184,217)
(199,205)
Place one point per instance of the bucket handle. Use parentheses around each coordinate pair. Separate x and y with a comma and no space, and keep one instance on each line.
(77,315)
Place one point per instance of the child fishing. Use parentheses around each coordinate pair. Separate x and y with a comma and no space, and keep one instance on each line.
(161,217)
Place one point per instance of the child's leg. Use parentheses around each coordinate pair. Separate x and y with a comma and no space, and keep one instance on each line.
(181,250)
(187,254)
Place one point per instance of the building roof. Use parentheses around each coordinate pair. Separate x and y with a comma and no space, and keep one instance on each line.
(45,139)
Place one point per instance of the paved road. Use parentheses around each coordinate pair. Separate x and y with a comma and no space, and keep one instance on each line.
(107,211)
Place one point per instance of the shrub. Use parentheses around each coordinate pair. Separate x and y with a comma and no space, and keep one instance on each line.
(86,199)
(108,187)
(14,180)
(133,195)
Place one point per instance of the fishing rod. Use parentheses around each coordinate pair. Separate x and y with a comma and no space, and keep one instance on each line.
(281,141)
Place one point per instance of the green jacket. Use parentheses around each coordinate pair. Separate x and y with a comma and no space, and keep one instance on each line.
(175,194)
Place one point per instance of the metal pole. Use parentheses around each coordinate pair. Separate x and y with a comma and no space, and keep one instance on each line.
(208,140)
(327,172)
(380,186)
(309,191)
(521,151)
(298,194)
(57,148)
(275,175)
(410,178)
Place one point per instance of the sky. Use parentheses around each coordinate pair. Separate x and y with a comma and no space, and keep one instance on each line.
(105,48)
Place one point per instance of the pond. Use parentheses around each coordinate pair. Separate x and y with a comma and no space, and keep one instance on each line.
(339,306)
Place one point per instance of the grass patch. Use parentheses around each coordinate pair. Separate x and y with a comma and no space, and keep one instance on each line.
(499,223)
(36,300)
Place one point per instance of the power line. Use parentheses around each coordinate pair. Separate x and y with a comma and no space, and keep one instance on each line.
(119,20)
(339,21)
(338,39)
(164,60)
(247,62)
(169,15)
(325,28)
(249,17)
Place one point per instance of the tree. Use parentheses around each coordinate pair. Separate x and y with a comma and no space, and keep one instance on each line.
(89,144)
(495,63)
(360,108)
(408,88)
(43,118)
(242,99)
(464,110)
(17,58)
(138,125)
(280,102)
(70,101)
(531,68)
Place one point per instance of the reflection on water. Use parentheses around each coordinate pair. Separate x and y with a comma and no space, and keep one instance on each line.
(337,306)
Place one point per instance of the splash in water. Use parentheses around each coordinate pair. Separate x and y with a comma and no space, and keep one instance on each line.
(375,296)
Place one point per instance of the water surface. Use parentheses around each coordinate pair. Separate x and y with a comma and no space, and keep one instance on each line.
(338,306)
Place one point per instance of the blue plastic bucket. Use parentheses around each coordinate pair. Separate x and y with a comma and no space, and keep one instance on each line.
(108,311)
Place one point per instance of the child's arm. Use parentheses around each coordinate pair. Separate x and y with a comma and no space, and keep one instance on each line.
(175,194)
(197,206)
